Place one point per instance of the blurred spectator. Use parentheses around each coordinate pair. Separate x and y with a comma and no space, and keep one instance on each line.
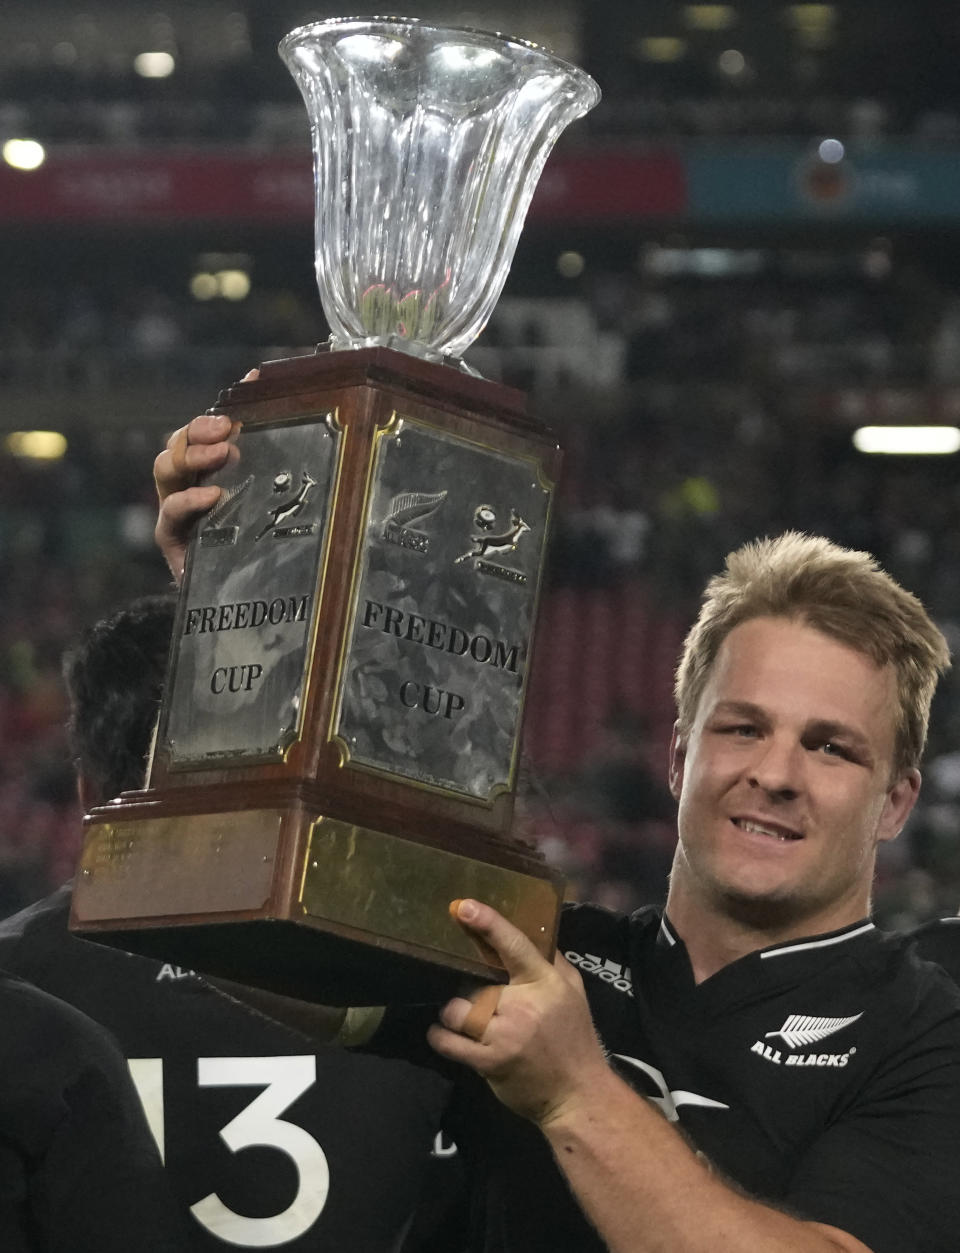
(694,412)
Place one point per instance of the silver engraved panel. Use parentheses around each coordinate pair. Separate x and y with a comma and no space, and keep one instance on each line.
(436,662)
(244,623)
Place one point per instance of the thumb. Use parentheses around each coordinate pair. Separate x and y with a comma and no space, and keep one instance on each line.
(515,952)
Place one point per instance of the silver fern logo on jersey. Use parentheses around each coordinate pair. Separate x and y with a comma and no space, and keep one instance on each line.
(800,1031)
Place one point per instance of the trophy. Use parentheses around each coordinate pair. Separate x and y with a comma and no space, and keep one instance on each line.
(337,751)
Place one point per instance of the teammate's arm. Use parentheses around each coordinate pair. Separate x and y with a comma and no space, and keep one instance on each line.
(636,1179)
(323,1024)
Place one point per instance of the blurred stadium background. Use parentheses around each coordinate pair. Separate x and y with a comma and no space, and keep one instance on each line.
(750,250)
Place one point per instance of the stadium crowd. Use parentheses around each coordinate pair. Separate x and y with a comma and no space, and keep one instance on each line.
(663,476)
(703,395)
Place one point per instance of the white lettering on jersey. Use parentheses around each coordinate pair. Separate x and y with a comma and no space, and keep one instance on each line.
(259,1123)
(669,1101)
(167,971)
(442,1147)
(286,1078)
(147,1076)
(770,1054)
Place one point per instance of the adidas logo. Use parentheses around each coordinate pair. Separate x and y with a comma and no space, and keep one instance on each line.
(800,1031)
(609,971)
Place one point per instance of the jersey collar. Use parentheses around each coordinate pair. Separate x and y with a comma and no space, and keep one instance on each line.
(819,941)
(668,937)
(755,974)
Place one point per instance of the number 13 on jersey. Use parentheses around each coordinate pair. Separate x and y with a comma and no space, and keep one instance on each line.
(283,1080)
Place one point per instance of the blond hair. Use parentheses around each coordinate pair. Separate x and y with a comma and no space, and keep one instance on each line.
(844,594)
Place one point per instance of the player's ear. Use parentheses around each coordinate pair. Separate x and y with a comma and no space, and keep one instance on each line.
(678,753)
(901,799)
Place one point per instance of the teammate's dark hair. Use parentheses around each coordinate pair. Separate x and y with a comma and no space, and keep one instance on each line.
(114,678)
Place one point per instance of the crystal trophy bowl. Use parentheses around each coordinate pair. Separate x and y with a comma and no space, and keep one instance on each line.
(428,143)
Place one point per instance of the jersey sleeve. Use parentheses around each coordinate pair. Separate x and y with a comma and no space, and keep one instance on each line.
(103,1186)
(9,945)
(92,1177)
(885,1169)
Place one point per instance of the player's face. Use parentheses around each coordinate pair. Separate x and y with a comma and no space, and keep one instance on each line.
(784,782)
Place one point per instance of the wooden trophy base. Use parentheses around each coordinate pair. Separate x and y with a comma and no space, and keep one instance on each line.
(337,750)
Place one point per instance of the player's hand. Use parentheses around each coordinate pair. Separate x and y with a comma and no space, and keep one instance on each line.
(199,448)
(539,1051)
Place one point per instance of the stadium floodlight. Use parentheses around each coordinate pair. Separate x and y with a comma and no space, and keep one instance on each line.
(154,64)
(24,154)
(907,440)
(36,445)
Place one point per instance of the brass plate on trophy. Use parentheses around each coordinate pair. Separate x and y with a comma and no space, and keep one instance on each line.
(248,603)
(190,864)
(435,671)
(399,890)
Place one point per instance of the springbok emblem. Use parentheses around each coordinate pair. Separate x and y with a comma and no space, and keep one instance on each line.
(290,507)
(493,545)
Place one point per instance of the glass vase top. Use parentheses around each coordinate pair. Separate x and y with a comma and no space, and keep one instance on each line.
(427,145)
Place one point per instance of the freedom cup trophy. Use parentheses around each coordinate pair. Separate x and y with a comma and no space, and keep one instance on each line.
(337,750)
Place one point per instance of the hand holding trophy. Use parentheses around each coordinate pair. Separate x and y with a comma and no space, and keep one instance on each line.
(336,756)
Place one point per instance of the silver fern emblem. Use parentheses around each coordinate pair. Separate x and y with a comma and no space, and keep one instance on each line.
(804,1029)
(227,497)
(412,506)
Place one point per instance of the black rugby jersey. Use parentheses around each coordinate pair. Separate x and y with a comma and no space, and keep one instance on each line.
(270,1139)
(939,942)
(822,1076)
(78,1169)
